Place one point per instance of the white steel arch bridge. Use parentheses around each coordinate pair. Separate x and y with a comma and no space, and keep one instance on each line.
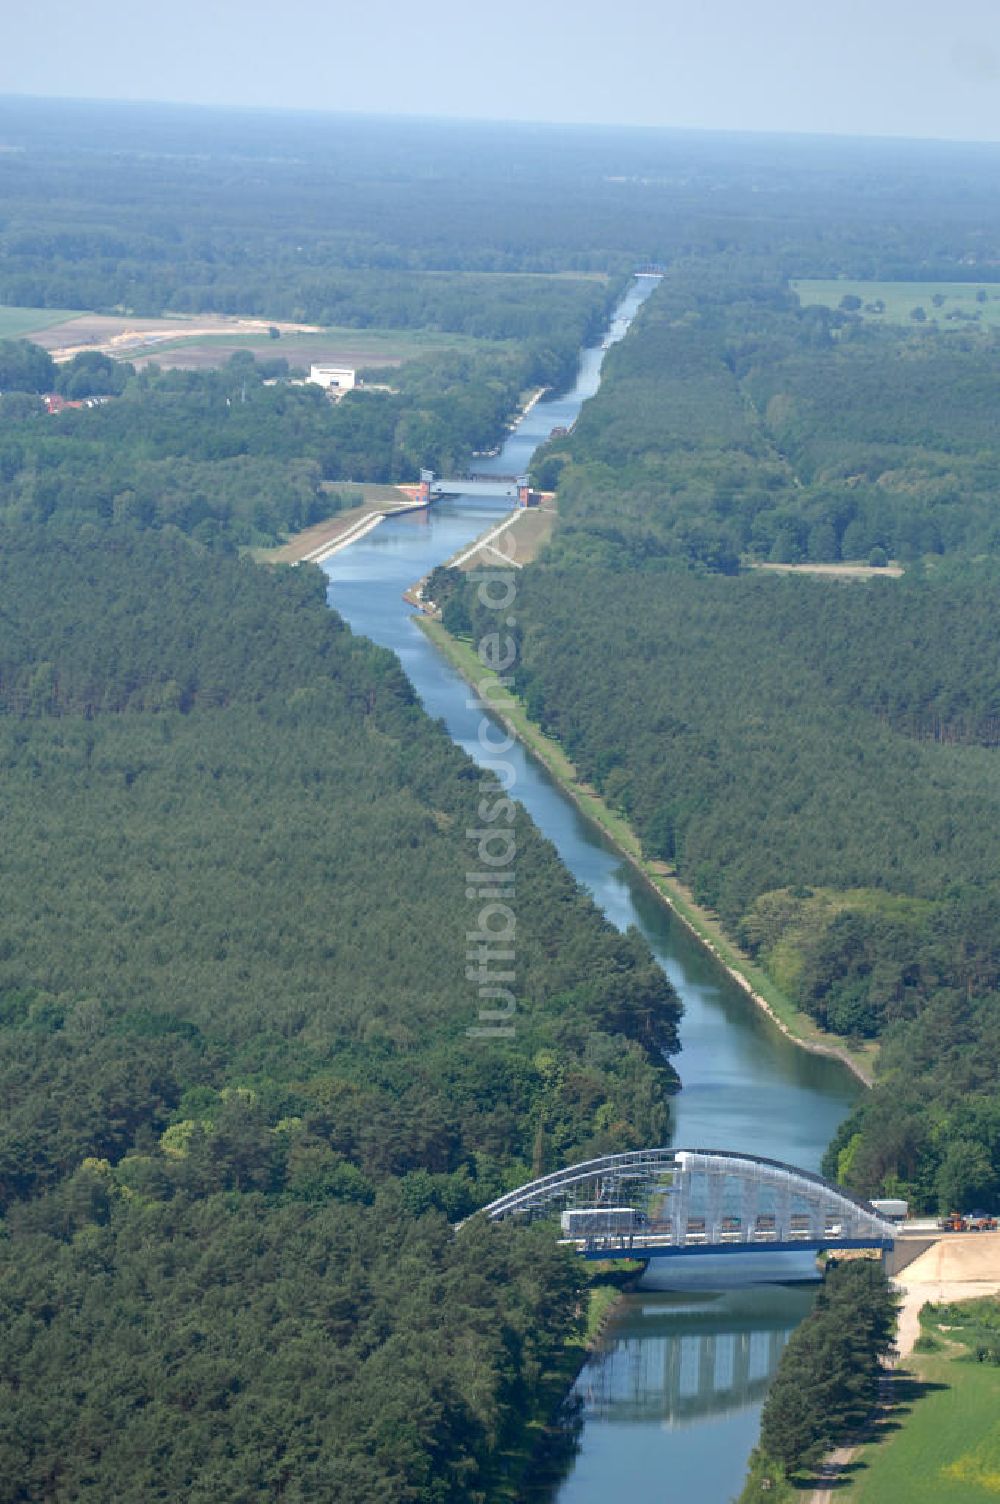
(655,1203)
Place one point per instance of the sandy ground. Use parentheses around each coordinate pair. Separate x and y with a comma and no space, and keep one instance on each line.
(958,1267)
(113,335)
(206,341)
(837,571)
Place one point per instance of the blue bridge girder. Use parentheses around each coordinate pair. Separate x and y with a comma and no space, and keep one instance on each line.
(697,1201)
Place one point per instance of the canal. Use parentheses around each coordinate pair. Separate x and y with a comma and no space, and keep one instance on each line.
(671,1402)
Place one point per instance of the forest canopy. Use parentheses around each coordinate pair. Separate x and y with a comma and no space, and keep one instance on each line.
(225,1037)
(815,759)
(240,1107)
(240,457)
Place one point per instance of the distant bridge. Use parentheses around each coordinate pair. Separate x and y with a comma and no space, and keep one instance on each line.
(512,487)
(696,1201)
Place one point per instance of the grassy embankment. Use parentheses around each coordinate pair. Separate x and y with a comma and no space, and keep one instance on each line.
(525,533)
(942,1441)
(366,499)
(797,1025)
(959,307)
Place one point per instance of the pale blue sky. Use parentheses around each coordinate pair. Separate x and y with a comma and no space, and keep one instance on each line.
(885,67)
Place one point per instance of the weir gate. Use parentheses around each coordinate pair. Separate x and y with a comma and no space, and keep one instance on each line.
(510,487)
(662,1203)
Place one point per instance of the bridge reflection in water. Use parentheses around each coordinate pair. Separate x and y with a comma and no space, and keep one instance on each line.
(678,1362)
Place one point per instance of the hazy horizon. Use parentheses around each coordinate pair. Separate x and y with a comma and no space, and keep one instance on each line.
(900,73)
(763,134)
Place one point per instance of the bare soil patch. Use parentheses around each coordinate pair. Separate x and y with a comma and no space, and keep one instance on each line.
(960,1266)
(204,341)
(838,571)
(118,335)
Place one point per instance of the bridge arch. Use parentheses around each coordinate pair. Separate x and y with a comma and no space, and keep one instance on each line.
(694,1200)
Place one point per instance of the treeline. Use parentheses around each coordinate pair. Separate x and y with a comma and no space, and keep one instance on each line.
(288,215)
(237,1347)
(814,760)
(734,424)
(25,367)
(240,1105)
(494,306)
(817,761)
(828,1378)
(930,1129)
(238,457)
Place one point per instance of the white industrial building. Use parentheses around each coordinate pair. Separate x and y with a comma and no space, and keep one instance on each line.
(333,378)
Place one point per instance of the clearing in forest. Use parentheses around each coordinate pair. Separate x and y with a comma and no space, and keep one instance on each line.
(945,305)
(204,341)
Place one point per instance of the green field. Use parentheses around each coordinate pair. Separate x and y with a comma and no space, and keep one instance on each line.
(15,322)
(356,347)
(959,309)
(947,1447)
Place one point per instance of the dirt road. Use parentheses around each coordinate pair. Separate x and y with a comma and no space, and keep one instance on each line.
(960,1266)
(111,334)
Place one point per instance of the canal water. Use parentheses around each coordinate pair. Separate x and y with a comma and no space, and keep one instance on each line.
(671,1403)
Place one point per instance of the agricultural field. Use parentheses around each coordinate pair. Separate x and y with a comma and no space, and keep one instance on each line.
(21,323)
(947,305)
(348,347)
(205,342)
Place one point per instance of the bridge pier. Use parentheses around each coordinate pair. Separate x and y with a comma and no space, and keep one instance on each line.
(903,1252)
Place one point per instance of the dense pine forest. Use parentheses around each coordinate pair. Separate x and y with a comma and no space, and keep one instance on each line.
(238,1090)
(817,759)
(737,424)
(344,220)
(239,1106)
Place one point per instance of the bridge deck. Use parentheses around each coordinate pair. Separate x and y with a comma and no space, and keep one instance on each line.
(476,485)
(658,1248)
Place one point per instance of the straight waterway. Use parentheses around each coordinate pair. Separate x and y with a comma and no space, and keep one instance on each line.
(671,1402)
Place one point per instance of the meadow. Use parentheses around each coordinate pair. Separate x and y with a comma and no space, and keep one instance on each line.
(960,304)
(947,1447)
(15,323)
